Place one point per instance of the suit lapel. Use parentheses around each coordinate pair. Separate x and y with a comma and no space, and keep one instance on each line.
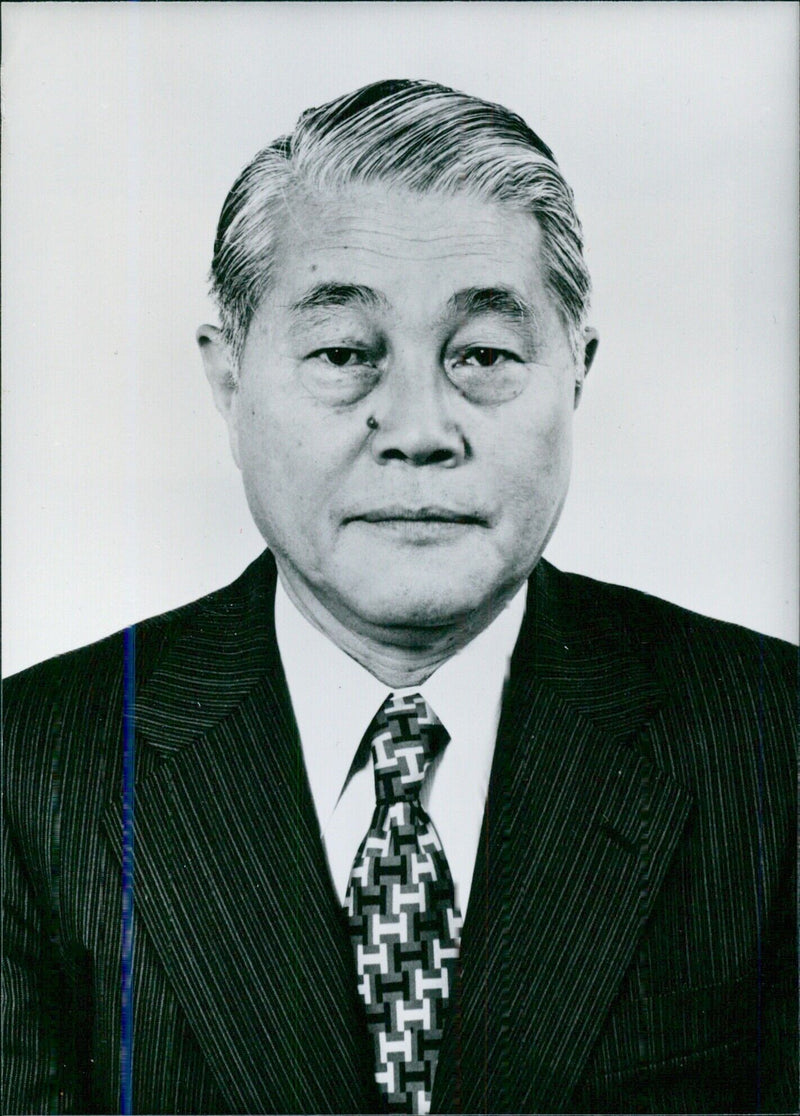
(231,883)
(579,829)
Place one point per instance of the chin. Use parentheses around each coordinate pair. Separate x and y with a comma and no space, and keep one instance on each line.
(420,604)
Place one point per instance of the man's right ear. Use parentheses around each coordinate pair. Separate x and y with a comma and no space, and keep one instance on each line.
(220,369)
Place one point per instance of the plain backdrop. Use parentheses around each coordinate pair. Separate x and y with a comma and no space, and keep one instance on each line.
(125,125)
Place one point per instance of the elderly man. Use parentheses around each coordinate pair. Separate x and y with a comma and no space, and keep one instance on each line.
(421,824)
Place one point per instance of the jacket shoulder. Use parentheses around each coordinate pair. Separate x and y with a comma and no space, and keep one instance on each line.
(103,659)
(719,700)
(98,666)
(669,636)
(77,698)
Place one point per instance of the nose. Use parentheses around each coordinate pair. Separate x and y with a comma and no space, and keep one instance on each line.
(415,423)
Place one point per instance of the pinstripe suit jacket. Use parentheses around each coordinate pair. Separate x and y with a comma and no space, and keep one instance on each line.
(628,945)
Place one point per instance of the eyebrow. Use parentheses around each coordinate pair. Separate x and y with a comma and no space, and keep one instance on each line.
(467,303)
(502,301)
(325,296)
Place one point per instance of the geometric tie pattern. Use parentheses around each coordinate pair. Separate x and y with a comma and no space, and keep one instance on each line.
(403,921)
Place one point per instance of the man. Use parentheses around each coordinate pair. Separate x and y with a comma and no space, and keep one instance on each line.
(420,822)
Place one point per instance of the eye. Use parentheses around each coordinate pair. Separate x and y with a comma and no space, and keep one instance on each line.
(487,375)
(341,374)
(340,356)
(483,356)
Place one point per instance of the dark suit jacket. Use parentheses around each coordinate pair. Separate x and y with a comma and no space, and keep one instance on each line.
(628,945)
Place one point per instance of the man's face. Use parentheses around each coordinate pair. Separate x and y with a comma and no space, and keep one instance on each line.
(404,406)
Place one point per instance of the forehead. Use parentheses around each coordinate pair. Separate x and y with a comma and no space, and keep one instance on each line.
(414,249)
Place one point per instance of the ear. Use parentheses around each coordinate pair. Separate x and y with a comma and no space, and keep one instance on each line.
(220,369)
(590,343)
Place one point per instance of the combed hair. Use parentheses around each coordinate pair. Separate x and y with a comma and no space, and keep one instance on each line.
(417,135)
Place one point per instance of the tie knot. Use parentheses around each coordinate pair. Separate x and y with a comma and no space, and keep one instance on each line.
(406,734)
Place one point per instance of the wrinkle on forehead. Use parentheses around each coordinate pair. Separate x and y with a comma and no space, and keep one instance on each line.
(391,240)
(353,237)
(353,218)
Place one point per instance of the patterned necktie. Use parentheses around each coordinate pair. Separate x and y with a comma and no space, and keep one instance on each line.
(404,924)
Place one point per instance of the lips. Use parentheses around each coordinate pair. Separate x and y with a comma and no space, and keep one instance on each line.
(428,514)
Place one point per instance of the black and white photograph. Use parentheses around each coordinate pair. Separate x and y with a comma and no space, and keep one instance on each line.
(400,557)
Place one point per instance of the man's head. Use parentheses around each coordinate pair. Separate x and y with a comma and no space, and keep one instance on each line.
(413,134)
(403,297)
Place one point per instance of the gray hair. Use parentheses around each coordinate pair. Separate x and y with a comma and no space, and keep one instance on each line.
(414,134)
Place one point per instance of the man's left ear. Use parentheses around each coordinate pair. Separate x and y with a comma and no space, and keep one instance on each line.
(221,374)
(590,343)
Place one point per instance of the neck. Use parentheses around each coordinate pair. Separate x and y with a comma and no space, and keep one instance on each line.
(399,657)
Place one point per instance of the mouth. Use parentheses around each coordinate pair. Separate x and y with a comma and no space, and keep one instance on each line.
(397,514)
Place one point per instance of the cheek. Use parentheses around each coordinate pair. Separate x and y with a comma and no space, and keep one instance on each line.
(291,468)
(535,480)
(537,453)
(268,444)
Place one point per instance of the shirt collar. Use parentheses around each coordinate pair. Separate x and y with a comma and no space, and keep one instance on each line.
(334,698)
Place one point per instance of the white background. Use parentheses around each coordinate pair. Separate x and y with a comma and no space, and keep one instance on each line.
(125,124)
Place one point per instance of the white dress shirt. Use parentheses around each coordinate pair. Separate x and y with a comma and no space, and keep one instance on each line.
(334,700)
